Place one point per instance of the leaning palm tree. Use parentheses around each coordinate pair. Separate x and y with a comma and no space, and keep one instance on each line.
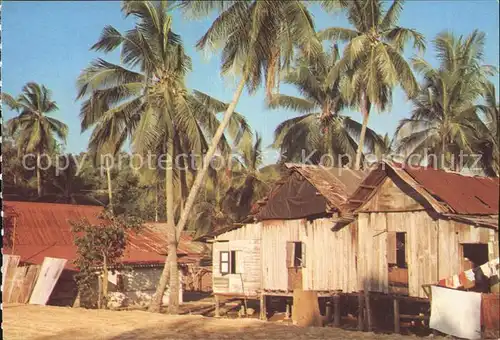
(258,39)
(321,130)
(146,100)
(228,196)
(373,58)
(445,120)
(36,129)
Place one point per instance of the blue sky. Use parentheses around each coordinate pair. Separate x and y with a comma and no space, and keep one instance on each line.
(48,42)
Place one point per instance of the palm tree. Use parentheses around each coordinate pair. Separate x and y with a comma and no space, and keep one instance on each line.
(151,106)
(445,119)
(36,129)
(66,186)
(228,196)
(258,39)
(321,130)
(251,180)
(373,58)
(488,144)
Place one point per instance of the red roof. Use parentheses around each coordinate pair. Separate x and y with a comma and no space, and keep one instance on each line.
(40,230)
(468,195)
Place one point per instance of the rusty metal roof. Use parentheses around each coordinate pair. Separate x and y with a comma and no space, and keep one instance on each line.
(38,230)
(334,184)
(463,194)
(448,193)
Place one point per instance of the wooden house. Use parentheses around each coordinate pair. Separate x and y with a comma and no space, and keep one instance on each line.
(290,243)
(417,225)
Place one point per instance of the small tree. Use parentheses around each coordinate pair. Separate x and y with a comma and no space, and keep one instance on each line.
(100,247)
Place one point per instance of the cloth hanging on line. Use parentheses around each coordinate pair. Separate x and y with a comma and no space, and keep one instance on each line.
(472,277)
(456,312)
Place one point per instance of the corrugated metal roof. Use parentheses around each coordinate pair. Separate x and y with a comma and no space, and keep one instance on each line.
(464,194)
(44,229)
(448,193)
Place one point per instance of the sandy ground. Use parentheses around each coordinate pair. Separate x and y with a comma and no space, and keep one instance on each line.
(47,322)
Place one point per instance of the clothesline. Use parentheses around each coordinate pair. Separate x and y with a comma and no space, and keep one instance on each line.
(467,278)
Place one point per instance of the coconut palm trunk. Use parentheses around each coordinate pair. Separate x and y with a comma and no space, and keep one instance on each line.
(198,181)
(365,110)
(170,272)
(38,176)
(110,190)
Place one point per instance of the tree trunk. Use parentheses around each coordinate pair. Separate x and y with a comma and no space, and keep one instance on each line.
(365,111)
(174,284)
(156,301)
(156,202)
(211,151)
(168,274)
(38,176)
(441,161)
(110,190)
(104,282)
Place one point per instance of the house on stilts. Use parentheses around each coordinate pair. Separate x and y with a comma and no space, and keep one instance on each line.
(289,244)
(417,225)
(365,235)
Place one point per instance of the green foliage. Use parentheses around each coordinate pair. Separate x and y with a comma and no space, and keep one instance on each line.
(321,129)
(35,127)
(100,247)
(445,119)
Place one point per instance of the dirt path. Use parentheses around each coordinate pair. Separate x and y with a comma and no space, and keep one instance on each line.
(27,322)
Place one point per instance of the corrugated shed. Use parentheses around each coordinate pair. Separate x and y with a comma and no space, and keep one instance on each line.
(38,230)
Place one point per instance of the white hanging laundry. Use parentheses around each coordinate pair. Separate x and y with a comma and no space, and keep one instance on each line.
(456,312)
(486,269)
(469,274)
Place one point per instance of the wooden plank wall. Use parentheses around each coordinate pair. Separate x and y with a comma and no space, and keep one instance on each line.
(9,265)
(330,256)
(247,232)
(433,250)
(24,281)
(247,241)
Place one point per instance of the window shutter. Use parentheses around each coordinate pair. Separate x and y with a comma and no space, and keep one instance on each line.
(290,249)
(303,246)
(224,262)
(391,247)
(239,262)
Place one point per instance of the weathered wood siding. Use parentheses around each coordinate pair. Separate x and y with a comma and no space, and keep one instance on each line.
(247,241)
(247,232)
(330,256)
(434,248)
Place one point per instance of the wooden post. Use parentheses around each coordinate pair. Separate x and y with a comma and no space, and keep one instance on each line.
(336,310)
(360,311)
(217,311)
(397,328)
(328,311)
(263,312)
(368,310)
(287,312)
